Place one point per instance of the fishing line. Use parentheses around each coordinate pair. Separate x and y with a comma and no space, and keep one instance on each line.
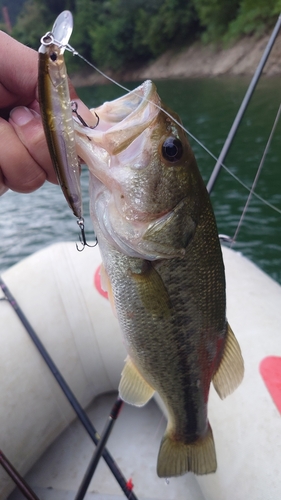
(257,176)
(250,190)
(71,49)
(75,53)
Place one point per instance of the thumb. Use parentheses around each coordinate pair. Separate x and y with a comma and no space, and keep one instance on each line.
(28,126)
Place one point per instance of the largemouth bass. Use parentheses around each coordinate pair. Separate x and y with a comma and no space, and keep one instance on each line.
(163,269)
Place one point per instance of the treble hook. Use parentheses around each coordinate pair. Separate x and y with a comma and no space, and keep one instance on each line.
(82,236)
(74,108)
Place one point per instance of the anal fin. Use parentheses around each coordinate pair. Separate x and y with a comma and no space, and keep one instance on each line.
(231,369)
(133,389)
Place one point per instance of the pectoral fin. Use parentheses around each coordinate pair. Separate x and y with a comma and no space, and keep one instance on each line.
(231,369)
(133,389)
(152,291)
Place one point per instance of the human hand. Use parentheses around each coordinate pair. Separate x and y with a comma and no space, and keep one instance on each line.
(25,162)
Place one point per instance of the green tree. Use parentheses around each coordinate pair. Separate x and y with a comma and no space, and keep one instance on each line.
(112,33)
(130,32)
(31,24)
(215,16)
(85,15)
(254,16)
(116,33)
(173,22)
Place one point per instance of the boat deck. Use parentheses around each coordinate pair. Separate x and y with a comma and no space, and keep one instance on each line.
(134,445)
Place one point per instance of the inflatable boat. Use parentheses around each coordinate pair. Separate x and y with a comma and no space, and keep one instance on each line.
(58,289)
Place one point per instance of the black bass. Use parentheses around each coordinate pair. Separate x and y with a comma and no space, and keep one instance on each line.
(164,270)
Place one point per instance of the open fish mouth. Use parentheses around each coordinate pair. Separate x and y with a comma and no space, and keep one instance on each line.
(129,114)
(134,188)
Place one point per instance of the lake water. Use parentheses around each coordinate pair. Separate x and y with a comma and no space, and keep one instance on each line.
(207,108)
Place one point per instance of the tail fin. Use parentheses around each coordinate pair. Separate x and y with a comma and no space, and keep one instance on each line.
(176,458)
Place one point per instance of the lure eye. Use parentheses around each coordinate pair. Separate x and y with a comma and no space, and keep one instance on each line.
(53,56)
(172,149)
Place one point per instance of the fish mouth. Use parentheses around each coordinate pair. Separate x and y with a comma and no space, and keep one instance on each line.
(124,119)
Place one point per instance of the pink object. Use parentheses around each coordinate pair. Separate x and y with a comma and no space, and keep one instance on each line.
(270,370)
(97,283)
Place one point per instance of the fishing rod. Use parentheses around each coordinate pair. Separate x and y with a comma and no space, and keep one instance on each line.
(243,107)
(16,477)
(99,449)
(81,414)
(233,240)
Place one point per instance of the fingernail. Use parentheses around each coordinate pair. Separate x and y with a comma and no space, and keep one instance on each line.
(22,115)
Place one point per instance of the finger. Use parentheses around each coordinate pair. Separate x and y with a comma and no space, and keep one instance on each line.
(27,124)
(19,69)
(20,171)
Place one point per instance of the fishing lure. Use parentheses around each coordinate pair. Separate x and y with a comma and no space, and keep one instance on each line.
(56,110)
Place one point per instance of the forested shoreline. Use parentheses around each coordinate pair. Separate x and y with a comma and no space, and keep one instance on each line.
(118,34)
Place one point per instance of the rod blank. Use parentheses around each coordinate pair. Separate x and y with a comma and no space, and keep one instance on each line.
(243,106)
(16,477)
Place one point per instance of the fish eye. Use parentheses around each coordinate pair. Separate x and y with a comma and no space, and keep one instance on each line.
(172,149)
